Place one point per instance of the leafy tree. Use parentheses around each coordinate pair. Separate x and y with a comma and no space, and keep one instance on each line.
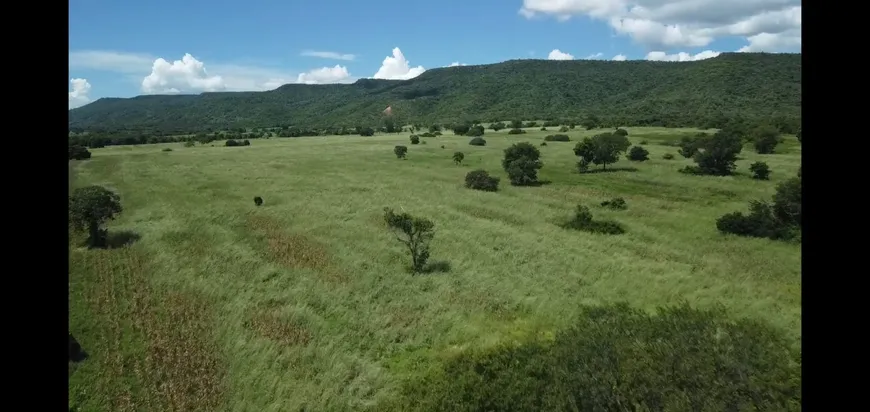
(476,130)
(415,233)
(765,139)
(400,151)
(89,208)
(415,139)
(77,152)
(638,154)
(760,171)
(366,131)
(458,157)
(481,180)
(719,154)
(521,162)
(601,149)
(390,125)
(461,129)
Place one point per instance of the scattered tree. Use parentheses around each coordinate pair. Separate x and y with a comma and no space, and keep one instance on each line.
(415,233)
(400,151)
(557,138)
(718,154)
(458,157)
(481,180)
(89,208)
(765,139)
(461,129)
(521,162)
(477,141)
(638,154)
(760,171)
(601,149)
(516,131)
(415,139)
(258,201)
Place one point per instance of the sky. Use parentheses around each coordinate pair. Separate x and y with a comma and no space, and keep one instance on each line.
(125,49)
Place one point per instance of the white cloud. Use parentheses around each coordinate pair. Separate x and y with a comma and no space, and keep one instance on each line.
(557,54)
(454,64)
(185,75)
(619,58)
(79,94)
(681,56)
(396,67)
(767,25)
(324,75)
(595,56)
(328,55)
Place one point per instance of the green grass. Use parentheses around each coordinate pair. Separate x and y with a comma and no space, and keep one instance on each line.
(305,302)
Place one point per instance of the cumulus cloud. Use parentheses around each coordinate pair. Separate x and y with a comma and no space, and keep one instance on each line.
(454,64)
(396,67)
(619,58)
(324,75)
(79,94)
(767,25)
(185,75)
(681,56)
(328,55)
(557,54)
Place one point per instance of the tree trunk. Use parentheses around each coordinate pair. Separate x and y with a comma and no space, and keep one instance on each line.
(94,234)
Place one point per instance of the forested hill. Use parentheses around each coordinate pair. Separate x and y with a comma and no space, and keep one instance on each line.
(747,85)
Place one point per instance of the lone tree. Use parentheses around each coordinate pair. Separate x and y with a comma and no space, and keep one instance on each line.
(521,162)
(415,139)
(760,171)
(415,233)
(400,151)
(718,154)
(638,154)
(89,208)
(601,149)
(765,139)
(458,157)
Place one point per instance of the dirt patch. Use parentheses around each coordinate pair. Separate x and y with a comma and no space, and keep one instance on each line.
(294,250)
(281,329)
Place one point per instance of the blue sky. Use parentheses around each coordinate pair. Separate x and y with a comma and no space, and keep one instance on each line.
(115,46)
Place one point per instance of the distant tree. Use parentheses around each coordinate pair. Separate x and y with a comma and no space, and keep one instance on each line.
(516,124)
(765,139)
(77,152)
(787,202)
(189,143)
(246,142)
(461,129)
(477,141)
(601,149)
(516,131)
(497,126)
(638,154)
(476,130)
(531,124)
(620,132)
(521,162)
(400,151)
(366,131)
(718,154)
(415,233)
(415,139)
(563,129)
(689,145)
(591,122)
(434,128)
(760,171)
(557,138)
(390,125)
(458,157)
(89,208)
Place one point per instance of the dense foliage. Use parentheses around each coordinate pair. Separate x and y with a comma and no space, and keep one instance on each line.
(606,93)
(77,152)
(600,149)
(521,162)
(481,180)
(400,151)
(89,208)
(616,358)
(780,219)
(638,154)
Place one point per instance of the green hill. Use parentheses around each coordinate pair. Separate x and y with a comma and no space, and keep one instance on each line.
(639,93)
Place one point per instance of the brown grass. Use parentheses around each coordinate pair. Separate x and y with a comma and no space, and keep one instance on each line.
(278,328)
(295,250)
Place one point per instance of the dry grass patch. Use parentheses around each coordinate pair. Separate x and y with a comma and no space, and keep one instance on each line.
(278,328)
(295,250)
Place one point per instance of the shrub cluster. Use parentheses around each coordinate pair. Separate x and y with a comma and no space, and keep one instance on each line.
(617,203)
(516,131)
(557,138)
(234,143)
(780,219)
(582,220)
(616,358)
(400,151)
(481,180)
(415,139)
(760,171)
(477,141)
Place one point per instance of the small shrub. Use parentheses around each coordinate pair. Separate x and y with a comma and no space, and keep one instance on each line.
(531,124)
(497,126)
(582,220)
(246,142)
(232,143)
(760,171)
(77,152)
(258,201)
(563,129)
(415,233)
(442,146)
(668,156)
(543,129)
(644,143)
(617,203)
(189,143)
(543,143)
(691,170)
(620,132)
(557,138)
(400,151)
(458,157)
(481,180)
(166,149)
(427,134)
(638,154)
(423,142)
(477,141)
(415,139)
(516,131)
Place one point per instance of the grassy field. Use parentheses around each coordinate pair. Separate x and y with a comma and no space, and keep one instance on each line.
(305,304)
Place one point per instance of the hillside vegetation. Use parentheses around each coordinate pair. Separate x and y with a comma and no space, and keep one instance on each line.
(641,93)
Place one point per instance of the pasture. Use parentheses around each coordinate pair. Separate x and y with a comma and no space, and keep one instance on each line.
(207,302)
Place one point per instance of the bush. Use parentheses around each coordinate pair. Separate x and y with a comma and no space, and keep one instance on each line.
(521,162)
(166,149)
(415,139)
(400,151)
(516,131)
(760,171)
(461,129)
(497,126)
(77,152)
(435,134)
(476,130)
(582,220)
(543,143)
(427,134)
(765,139)
(638,154)
(477,141)
(531,124)
(89,208)
(458,157)
(258,201)
(557,138)
(620,132)
(442,146)
(232,143)
(481,180)
(415,233)
(717,155)
(563,129)
(189,143)
(543,129)
(779,220)
(668,156)
(614,358)
(246,142)
(617,203)
(366,131)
